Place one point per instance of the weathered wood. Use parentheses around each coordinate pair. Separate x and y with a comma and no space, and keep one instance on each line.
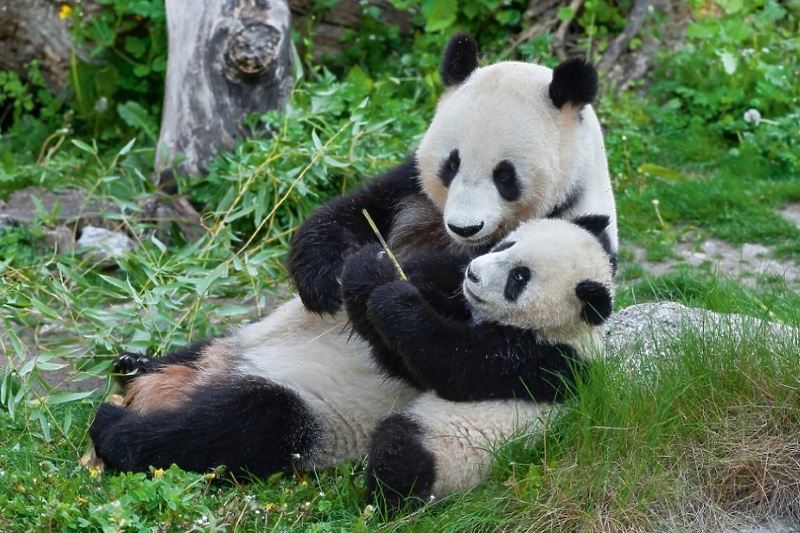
(227,59)
(621,41)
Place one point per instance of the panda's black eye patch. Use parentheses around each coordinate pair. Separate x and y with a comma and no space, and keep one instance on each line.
(503,246)
(506,181)
(450,167)
(517,280)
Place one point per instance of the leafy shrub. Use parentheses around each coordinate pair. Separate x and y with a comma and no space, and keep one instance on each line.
(736,77)
(123,83)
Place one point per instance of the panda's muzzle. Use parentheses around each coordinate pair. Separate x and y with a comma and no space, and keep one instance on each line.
(465,231)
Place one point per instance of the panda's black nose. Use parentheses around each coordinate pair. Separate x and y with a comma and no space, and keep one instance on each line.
(471,275)
(465,231)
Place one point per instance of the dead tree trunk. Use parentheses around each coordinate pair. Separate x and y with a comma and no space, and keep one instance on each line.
(227,59)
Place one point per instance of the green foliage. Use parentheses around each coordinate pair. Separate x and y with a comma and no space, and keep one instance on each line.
(736,78)
(119,90)
(331,138)
(686,166)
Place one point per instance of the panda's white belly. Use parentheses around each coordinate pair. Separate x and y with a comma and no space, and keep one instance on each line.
(331,370)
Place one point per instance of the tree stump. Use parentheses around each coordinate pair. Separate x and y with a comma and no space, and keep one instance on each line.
(227,59)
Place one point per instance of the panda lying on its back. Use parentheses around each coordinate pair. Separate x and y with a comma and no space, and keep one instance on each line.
(508,142)
(535,302)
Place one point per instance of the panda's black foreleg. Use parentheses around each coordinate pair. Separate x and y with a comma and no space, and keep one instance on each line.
(248,425)
(400,470)
(128,365)
(364,271)
(338,228)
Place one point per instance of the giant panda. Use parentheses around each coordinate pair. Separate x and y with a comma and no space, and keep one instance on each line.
(494,343)
(508,142)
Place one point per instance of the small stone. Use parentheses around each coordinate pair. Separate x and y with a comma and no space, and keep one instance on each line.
(104,243)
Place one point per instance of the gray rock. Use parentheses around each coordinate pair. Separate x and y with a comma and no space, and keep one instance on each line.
(69,207)
(104,244)
(640,331)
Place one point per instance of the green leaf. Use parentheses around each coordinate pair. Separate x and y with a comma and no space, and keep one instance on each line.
(83,146)
(661,172)
(65,397)
(206,282)
(136,116)
(439,14)
(127,148)
(731,6)
(135,46)
(46,311)
(566,14)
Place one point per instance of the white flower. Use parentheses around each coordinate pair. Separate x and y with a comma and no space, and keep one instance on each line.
(752,116)
(748,52)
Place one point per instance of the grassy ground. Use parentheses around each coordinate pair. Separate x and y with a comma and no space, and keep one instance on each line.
(707,431)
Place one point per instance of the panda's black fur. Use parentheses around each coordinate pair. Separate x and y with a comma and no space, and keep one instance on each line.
(296,390)
(427,327)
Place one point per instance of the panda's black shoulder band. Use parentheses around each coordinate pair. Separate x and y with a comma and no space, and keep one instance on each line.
(594,224)
(460,59)
(574,82)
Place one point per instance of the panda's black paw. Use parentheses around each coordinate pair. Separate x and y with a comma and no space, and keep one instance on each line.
(129,365)
(364,271)
(396,297)
(400,470)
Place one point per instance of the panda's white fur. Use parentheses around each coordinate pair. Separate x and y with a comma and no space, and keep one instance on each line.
(559,255)
(503,112)
(455,439)
(330,369)
(298,383)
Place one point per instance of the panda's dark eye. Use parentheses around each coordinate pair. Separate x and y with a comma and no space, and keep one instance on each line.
(505,179)
(517,280)
(450,167)
(503,246)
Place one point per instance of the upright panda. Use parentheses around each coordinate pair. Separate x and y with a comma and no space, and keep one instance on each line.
(508,142)
(494,346)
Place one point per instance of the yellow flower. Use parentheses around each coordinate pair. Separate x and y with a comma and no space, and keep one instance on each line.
(65,11)
(158,472)
(94,472)
(270,506)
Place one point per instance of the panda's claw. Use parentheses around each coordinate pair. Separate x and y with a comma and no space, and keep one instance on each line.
(128,365)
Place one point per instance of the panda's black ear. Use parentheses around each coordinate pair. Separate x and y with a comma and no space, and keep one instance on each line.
(597,301)
(574,82)
(594,224)
(460,59)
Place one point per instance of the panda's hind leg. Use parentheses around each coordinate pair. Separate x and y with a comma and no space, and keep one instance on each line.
(400,468)
(436,447)
(246,424)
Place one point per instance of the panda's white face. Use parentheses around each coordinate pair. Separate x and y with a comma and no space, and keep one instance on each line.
(529,279)
(493,154)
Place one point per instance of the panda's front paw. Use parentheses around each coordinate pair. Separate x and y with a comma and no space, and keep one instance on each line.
(365,270)
(395,307)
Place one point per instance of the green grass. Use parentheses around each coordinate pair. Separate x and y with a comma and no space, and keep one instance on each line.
(708,423)
(706,429)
